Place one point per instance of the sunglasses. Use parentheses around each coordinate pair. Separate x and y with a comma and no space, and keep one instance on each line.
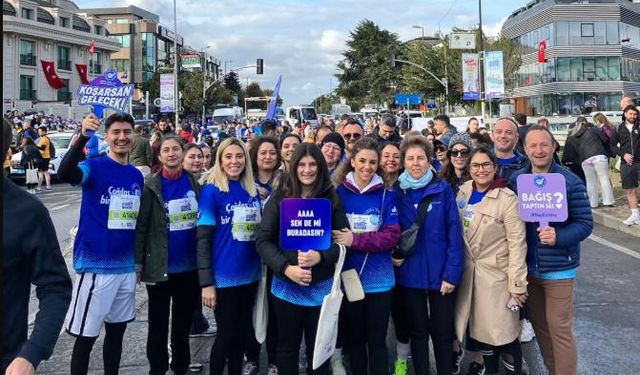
(458,153)
(352,135)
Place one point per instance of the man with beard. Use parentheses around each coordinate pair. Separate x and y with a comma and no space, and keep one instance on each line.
(505,138)
(103,251)
(625,142)
(387,130)
(351,132)
(164,127)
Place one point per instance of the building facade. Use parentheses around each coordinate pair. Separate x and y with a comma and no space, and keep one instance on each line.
(592,55)
(37,31)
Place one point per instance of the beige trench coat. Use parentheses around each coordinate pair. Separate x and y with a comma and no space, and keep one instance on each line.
(494,266)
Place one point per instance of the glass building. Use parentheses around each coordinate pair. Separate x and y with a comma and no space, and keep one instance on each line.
(592,55)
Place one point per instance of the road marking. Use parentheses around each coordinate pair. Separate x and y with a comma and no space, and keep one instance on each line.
(58,207)
(614,246)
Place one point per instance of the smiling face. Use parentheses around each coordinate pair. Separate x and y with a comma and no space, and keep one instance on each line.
(288,147)
(170,154)
(390,159)
(206,162)
(307,171)
(473,125)
(539,147)
(267,157)
(364,164)
(351,134)
(193,159)
(482,170)
(233,161)
(119,137)
(331,153)
(505,136)
(459,156)
(416,162)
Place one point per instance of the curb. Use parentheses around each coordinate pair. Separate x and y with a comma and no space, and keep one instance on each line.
(613,222)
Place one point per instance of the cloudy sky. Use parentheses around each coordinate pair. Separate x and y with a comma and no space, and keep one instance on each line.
(304,39)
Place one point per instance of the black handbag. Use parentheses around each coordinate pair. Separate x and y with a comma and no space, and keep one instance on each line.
(407,244)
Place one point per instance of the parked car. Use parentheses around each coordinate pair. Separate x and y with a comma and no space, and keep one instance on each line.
(61,143)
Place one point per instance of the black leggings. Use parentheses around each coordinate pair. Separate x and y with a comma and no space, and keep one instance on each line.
(293,322)
(429,313)
(253,348)
(111,350)
(233,315)
(177,295)
(492,361)
(398,314)
(367,323)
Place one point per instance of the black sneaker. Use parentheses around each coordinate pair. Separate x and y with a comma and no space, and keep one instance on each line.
(456,358)
(510,369)
(476,369)
(491,361)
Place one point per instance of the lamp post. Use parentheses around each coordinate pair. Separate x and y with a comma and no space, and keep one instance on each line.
(176,99)
(204,82)
(421,28)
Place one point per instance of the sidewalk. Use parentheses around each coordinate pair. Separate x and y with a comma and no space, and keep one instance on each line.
(612,217)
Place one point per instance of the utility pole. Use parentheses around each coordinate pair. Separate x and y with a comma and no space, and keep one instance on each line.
(146,105)
(176,99)
(481,68)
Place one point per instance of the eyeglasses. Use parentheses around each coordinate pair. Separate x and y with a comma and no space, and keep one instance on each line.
(458,153)
(352,135)
(441,148)
(484,166)
(331,146)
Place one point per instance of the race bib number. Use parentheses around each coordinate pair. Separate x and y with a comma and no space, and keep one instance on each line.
(123,212)
(467,217)
(363,223)
(183,214)
(246,222)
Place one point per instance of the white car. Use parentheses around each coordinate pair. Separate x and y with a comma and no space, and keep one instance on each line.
(60,142)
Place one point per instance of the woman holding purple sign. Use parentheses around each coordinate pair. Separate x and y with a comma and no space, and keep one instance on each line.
(301,279)
(373,219)
(494,283)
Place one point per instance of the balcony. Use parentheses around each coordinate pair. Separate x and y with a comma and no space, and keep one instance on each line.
(28,60)
(96,69)
(64,96)
(64,65)
(28,94)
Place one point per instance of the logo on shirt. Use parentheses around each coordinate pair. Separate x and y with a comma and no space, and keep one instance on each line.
(106,199)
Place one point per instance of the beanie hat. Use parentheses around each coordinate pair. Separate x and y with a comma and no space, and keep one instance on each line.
(463,138)
(336,138)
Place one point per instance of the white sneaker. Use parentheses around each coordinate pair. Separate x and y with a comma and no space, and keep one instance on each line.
(337,367)
(526,333)
(632,219)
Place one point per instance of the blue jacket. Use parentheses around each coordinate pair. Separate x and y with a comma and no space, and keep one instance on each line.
(565,255)
(439,248)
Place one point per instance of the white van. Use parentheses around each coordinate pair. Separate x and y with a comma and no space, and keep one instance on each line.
(301,113)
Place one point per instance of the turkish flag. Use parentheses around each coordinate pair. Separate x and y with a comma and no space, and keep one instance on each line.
(51,75)
(92,47)
(542,46)
(82,71)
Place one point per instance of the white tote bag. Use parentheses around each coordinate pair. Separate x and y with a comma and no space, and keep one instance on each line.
(261,308)
(328,322)
(31,174)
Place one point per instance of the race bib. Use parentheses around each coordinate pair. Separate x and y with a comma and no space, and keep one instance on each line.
(246,222)
(183,214)
(363,223)
(467,217)
(123,212)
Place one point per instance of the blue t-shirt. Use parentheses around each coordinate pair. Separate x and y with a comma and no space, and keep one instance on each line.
(236,216)
(512,160)
(469,211)
(108,212)
(300,295)
(181,207)
(363,212)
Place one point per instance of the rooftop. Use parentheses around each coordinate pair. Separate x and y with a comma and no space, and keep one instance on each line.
(131,9)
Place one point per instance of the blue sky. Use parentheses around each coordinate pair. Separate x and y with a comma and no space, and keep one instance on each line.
(303,40)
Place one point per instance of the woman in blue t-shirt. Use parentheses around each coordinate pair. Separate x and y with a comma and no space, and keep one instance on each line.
(166,256)
(228,264)
(373,219)
(301,279)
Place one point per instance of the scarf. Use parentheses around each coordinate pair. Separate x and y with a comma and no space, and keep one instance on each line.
(408,182)
(171,175)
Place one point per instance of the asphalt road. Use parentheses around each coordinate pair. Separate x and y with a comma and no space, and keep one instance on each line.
(607,305)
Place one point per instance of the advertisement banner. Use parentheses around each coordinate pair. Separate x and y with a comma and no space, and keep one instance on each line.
(542,198)
(494,75)
(305,224)
(167,92)
(462,41)
(470,77)
(190,61)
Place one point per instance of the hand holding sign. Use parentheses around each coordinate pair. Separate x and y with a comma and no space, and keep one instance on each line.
(90,124)
(547,235)
(308,259)
(542,198)
(305,224)
(298,275)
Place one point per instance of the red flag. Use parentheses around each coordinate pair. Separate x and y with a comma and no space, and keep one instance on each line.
(92,47)
(82,72)
(51,75)
(542,46)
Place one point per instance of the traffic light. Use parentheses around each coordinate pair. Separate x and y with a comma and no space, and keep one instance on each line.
(260,66)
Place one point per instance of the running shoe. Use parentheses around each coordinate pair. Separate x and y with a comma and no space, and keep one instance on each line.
(400,367)
(476,369)
(195,367)
(210,331)
(273,370)
(337,367)
(633,219)
(250,368)
(456,358)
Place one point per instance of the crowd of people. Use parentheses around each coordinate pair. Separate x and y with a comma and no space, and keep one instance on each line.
(197,219)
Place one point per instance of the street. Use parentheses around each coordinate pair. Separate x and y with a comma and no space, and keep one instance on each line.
(607,305)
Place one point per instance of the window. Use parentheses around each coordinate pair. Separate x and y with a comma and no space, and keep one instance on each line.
(125,40)
(97,29)
(27,13)
(121,65)
(575,34)
(121,20)
(614,68)
(26,88)
(148,55)
(612,33)
(64,22)
(562,33)
(27,49)
(94,64)
(64,58)
(601,69)
(563,64)
(577,72)
(589,68)
(587,33)
(64,95)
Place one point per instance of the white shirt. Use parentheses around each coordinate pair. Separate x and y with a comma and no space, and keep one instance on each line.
(629,126)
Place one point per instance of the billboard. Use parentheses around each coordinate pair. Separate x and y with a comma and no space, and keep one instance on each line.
(470,77)
(462,41)
(190,61)
(494,75)
(167,93)
(408,99)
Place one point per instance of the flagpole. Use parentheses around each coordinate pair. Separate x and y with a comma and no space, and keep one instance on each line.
(175,63)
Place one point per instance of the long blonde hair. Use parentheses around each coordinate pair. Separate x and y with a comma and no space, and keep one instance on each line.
(217,177)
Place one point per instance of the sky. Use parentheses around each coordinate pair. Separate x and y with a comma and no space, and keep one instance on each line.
(304,39)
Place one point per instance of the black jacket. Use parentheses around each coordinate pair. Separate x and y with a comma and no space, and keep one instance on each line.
(30,154)
(268,242)
(395,138)
(31,255)
(622,142)
(571,156)
(591,142)
(152,236)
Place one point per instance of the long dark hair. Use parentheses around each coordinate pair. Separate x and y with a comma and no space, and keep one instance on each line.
(253,154)
(365,143)
(448,173)
(292,188)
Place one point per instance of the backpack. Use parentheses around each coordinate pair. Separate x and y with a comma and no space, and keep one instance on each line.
(52,149)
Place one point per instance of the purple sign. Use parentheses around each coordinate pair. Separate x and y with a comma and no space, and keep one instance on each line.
(105,91)
(542,198)
(305,224)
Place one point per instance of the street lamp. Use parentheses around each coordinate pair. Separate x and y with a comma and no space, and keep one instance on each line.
(204,81)
(421,28)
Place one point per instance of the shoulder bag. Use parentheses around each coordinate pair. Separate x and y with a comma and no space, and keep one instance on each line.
(407,244)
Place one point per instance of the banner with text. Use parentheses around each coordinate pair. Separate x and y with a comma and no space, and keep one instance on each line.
(470,77)
(190,60)
(494,75)
(167,93)
(105,91)
(305,224)
(542,198)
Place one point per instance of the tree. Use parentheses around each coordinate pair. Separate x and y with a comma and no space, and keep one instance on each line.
(365,73)
(232,82)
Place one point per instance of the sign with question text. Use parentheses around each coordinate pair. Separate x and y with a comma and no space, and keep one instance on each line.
(542,198)
(305,224)
(105,91)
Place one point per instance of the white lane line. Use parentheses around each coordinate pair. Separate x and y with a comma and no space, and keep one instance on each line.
(614,246)
(58,207)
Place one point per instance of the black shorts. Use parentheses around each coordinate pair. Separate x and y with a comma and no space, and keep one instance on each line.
(630,175)
(44,165)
